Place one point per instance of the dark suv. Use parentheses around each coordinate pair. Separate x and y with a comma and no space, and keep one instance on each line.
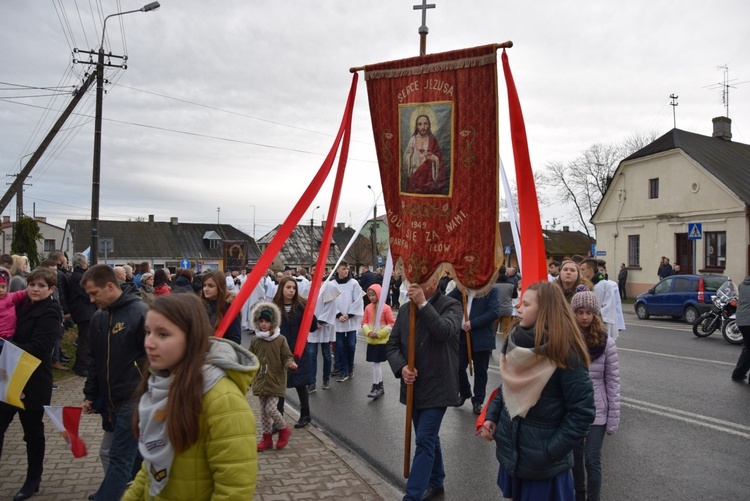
(679,296)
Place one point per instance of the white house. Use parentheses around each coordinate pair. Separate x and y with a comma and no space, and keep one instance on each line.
(682,181)
(52,236)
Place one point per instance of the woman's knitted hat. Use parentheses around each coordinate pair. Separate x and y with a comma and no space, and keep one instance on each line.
(585,299)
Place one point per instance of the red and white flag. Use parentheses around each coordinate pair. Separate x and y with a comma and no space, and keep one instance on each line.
(66,420)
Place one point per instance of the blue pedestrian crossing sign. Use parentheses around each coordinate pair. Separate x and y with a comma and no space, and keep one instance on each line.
(695,231)
(507,250)
(185,264)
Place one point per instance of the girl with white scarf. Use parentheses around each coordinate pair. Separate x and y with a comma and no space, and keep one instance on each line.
(196,429)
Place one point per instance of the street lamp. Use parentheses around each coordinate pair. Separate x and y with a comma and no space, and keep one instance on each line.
(373,230)
(94,253)
(312,236)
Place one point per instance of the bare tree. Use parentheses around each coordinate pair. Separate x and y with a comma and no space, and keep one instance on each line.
(539,180)
(583,181)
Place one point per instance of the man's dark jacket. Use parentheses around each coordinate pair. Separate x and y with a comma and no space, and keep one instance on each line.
(116,352)
(80,306)
(436,356)
(484,312)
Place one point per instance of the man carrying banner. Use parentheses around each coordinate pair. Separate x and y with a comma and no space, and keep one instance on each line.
(116,354)
(435,379)
(38,324)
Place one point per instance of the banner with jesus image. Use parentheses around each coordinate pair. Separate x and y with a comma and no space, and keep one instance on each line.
(434,119)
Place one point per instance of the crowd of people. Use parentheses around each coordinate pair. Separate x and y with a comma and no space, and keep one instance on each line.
(172,401)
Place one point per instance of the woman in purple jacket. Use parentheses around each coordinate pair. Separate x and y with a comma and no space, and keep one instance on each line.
(605,374)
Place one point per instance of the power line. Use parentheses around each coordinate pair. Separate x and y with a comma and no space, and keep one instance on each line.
(234,113)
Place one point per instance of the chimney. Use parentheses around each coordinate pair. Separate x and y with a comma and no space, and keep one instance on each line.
(6,219)
(173,221)
(723,128)
(341,226)
(40,219)
(566,228)
(151,219)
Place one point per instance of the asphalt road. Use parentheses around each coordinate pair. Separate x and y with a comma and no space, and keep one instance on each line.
(684,430)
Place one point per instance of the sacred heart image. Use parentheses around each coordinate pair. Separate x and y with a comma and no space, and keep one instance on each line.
(425,133)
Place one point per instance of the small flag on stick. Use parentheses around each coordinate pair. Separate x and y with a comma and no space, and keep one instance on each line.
(16,367)
(66,421)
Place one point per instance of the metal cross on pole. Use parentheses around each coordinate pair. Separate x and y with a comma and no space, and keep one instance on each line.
(423,30)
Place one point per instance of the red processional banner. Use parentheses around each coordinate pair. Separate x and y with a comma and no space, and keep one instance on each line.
(434,118)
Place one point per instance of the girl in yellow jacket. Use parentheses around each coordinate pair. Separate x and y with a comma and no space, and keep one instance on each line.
(377,334)
(196,430)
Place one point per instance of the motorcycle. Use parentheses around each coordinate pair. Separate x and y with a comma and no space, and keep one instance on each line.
(731,332)
(724,306)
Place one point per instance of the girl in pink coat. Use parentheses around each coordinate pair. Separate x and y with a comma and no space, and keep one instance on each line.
(377,336)
(8,302)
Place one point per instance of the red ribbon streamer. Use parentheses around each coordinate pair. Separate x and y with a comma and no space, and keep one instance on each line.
(482,416)
(320,264)
(278,241)
(532,242)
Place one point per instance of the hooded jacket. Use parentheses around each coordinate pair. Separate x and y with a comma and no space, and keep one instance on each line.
(274,355)
(386,319)
(116,351)
(223,463)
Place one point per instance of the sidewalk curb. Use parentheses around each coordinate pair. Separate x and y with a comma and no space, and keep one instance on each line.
(370,476)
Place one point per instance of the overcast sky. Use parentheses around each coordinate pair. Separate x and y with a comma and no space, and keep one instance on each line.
(235,103)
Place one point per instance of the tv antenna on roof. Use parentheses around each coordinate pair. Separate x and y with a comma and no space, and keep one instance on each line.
(725,86)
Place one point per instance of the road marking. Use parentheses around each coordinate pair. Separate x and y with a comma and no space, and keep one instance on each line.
(731,364)
(688,417)
(678,328)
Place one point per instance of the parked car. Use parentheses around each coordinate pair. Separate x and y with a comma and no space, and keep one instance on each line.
(679,296)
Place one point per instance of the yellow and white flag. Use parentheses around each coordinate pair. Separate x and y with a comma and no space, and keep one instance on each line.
(16,367)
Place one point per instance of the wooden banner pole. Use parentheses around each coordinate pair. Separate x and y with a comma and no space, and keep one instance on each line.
(503,45)
(468,337)
(410,387)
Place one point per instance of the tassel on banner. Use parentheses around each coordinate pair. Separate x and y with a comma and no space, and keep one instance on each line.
(266,259)
(532,241)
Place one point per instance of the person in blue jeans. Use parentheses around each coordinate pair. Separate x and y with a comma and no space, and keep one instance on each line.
(116,355)
(434,377)
(349,310)
(323,336)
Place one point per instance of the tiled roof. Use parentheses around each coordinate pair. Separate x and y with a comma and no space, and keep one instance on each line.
(728,161)
(556,242)
(303,240)
(160,240)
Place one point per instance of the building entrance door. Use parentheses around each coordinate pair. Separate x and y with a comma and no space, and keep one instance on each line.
(683,253)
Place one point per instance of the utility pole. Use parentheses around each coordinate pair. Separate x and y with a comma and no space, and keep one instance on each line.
(96,176)
(19,194)
(17,185)
(674,104)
